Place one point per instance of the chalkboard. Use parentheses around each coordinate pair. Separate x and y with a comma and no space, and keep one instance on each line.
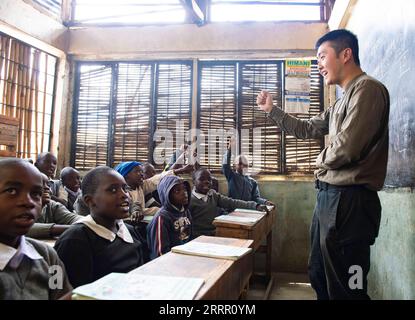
(387,52)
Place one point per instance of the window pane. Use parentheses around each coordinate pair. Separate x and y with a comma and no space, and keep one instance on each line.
(217,111)
(132,112)
(92,116)
(129,11)
(173,107)
(267,11)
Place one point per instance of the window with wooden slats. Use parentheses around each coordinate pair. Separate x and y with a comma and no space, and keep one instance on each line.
(133,105)
(119,105)
(262,146)
(27,92)
(300,155)
(217,112)
(227,100)
(54,6)
(173,105)
(92,109)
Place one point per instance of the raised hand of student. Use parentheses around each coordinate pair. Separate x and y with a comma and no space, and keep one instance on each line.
(188,168)
(264,101)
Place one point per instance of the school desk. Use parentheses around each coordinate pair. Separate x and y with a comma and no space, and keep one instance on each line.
(260,231)
(224,279)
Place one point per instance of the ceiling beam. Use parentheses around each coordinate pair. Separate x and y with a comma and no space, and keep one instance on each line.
(196,10)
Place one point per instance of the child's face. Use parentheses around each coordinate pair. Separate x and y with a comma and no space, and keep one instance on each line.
(72,181)
(241,168)
(47,165)
(135,177)
(148,172)
(111,199)
(46,190)
(178,195)
(203,182)
(20,200)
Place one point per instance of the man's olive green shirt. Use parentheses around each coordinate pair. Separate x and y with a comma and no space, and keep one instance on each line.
(357,125)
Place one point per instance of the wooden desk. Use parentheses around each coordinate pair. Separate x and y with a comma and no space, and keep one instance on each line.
(224,279)
(257,232)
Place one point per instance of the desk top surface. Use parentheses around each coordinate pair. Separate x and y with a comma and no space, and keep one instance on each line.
(181,265)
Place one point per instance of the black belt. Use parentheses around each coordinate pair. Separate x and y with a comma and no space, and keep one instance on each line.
(320,185)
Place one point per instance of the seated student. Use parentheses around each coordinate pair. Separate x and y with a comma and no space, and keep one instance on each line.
(101,243)
(206,204)
(171,225)
(70,188)
(240,185)
(46,162)
(24,263)
(54,219)
(151,199)
(133,174)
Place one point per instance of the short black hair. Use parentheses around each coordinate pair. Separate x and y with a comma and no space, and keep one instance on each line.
(340,40)
(8,162)
(92,179)
(196,173)
(67,171)
(43,155)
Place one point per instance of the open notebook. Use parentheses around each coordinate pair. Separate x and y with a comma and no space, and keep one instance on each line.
(133,286)
(238,219)
(211,250)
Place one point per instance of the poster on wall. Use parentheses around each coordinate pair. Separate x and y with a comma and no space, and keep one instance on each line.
(297,104)
(297,86)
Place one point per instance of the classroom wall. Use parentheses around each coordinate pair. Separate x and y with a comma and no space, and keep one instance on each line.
(386,37)
(24,18)
(295,199)
(231,40)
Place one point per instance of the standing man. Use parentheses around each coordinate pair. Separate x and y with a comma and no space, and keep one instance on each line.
(350,170)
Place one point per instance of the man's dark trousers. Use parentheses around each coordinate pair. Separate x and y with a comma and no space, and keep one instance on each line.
(345,224)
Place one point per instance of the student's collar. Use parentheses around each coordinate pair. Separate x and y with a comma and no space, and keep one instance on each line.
(105,233)
(202,196)
(15,256)
(75,194)
(177,209)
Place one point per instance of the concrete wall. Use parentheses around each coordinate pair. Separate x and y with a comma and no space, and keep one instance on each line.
(392,274)
(26,19)
(265,39)
(295,199)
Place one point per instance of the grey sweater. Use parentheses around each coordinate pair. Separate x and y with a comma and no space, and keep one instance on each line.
(30,281)
(203,213)
(53,213)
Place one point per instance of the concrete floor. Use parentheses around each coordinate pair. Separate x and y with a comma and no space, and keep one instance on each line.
(287,286)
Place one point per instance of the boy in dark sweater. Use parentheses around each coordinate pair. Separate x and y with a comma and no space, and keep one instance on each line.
(70,188)
(206,204)
(25,264)
(54,218)
(171,226)
(101,243)
(240,185)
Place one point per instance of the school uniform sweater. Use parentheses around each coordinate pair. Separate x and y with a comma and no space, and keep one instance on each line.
(204,208)
(29,279)
(240,186)
(52,213)
(170,226)
(89,256)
